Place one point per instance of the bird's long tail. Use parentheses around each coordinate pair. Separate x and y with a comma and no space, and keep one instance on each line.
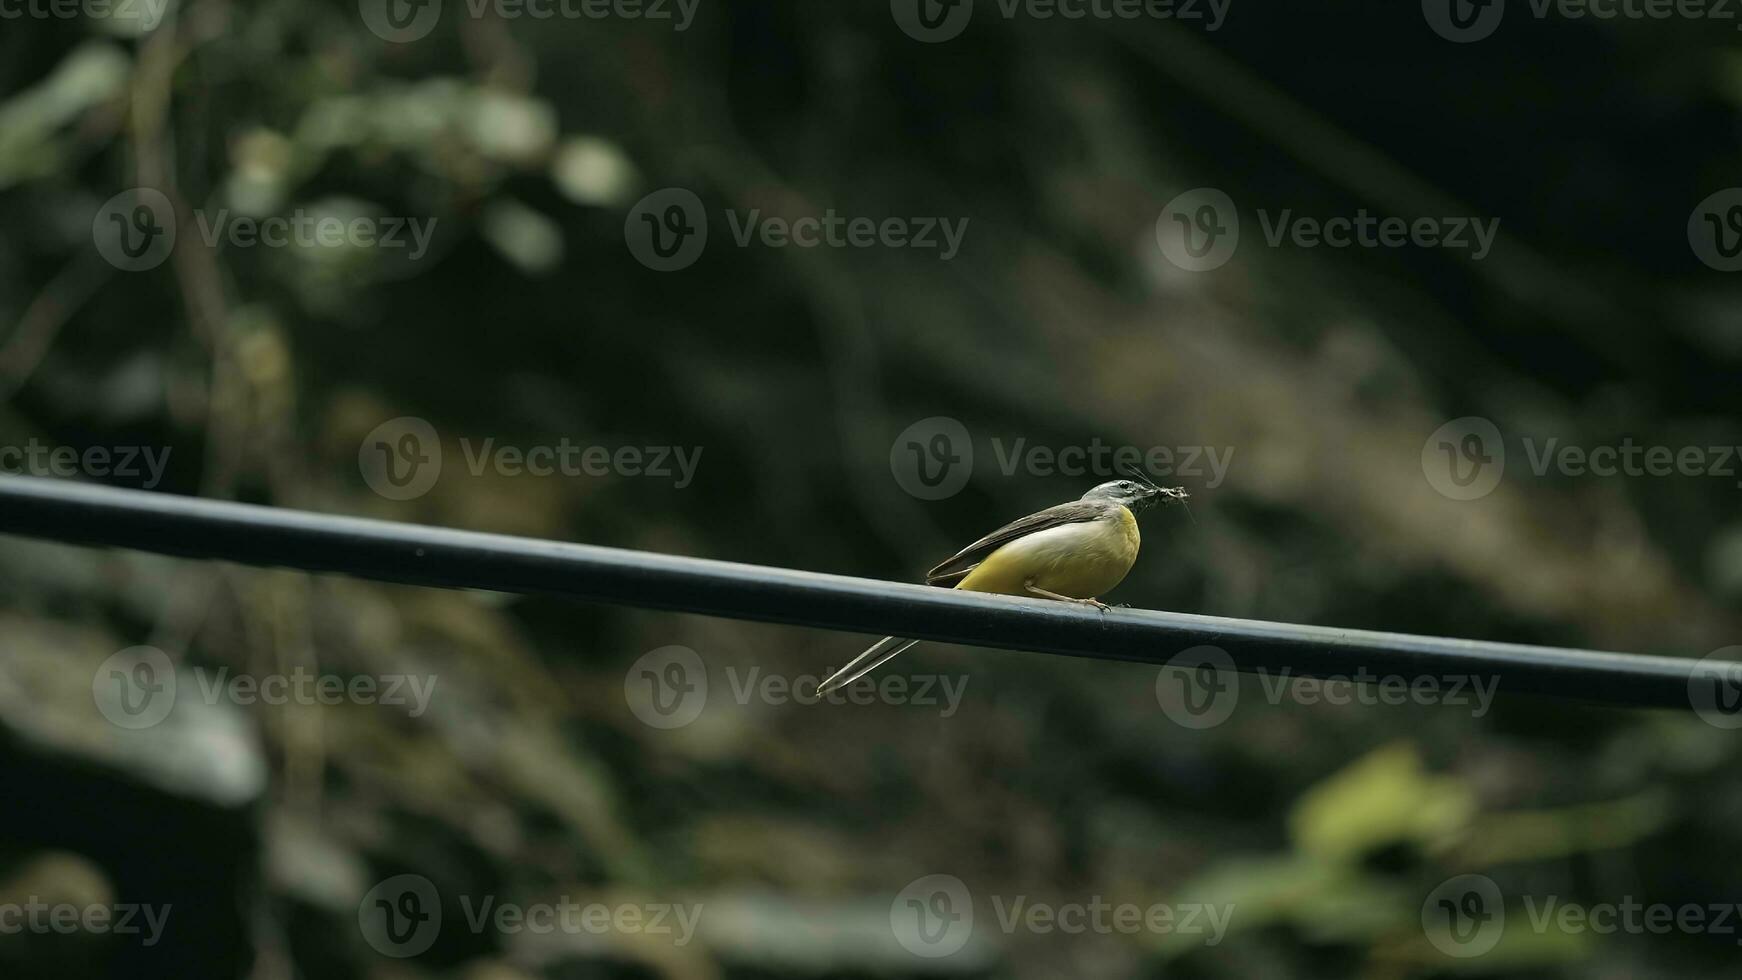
(880,653)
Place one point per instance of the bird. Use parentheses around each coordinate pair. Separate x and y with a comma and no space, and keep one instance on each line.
(1071,552)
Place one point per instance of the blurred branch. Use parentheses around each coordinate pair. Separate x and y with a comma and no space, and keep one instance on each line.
(45,316)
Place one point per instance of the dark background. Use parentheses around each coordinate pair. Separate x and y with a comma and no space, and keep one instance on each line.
(794,370)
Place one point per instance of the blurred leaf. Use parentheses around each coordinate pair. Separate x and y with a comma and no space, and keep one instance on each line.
(1325,900)
(428,120)
(92,74)
(1521,947)
(1503,837)
(257,186)
(589,170)
(526,238)
(1385,798)
(509,127)
(54,688)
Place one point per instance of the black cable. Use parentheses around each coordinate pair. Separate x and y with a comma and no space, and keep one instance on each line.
(442,557)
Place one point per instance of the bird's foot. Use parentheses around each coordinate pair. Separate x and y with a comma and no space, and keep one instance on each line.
(1033,589)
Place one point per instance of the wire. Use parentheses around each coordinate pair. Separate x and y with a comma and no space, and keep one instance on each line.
(413,554)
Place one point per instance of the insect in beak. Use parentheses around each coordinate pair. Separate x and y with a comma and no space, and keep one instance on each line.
(1155,493)
(1172,493)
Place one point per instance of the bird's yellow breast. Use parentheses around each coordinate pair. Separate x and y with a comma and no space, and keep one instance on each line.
(1080,560)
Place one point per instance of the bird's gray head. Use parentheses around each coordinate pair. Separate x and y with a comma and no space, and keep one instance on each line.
(1133,494)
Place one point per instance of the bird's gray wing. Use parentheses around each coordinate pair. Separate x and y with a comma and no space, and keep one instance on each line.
(962,562)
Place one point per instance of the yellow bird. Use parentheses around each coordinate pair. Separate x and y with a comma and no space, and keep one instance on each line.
(1073,552)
